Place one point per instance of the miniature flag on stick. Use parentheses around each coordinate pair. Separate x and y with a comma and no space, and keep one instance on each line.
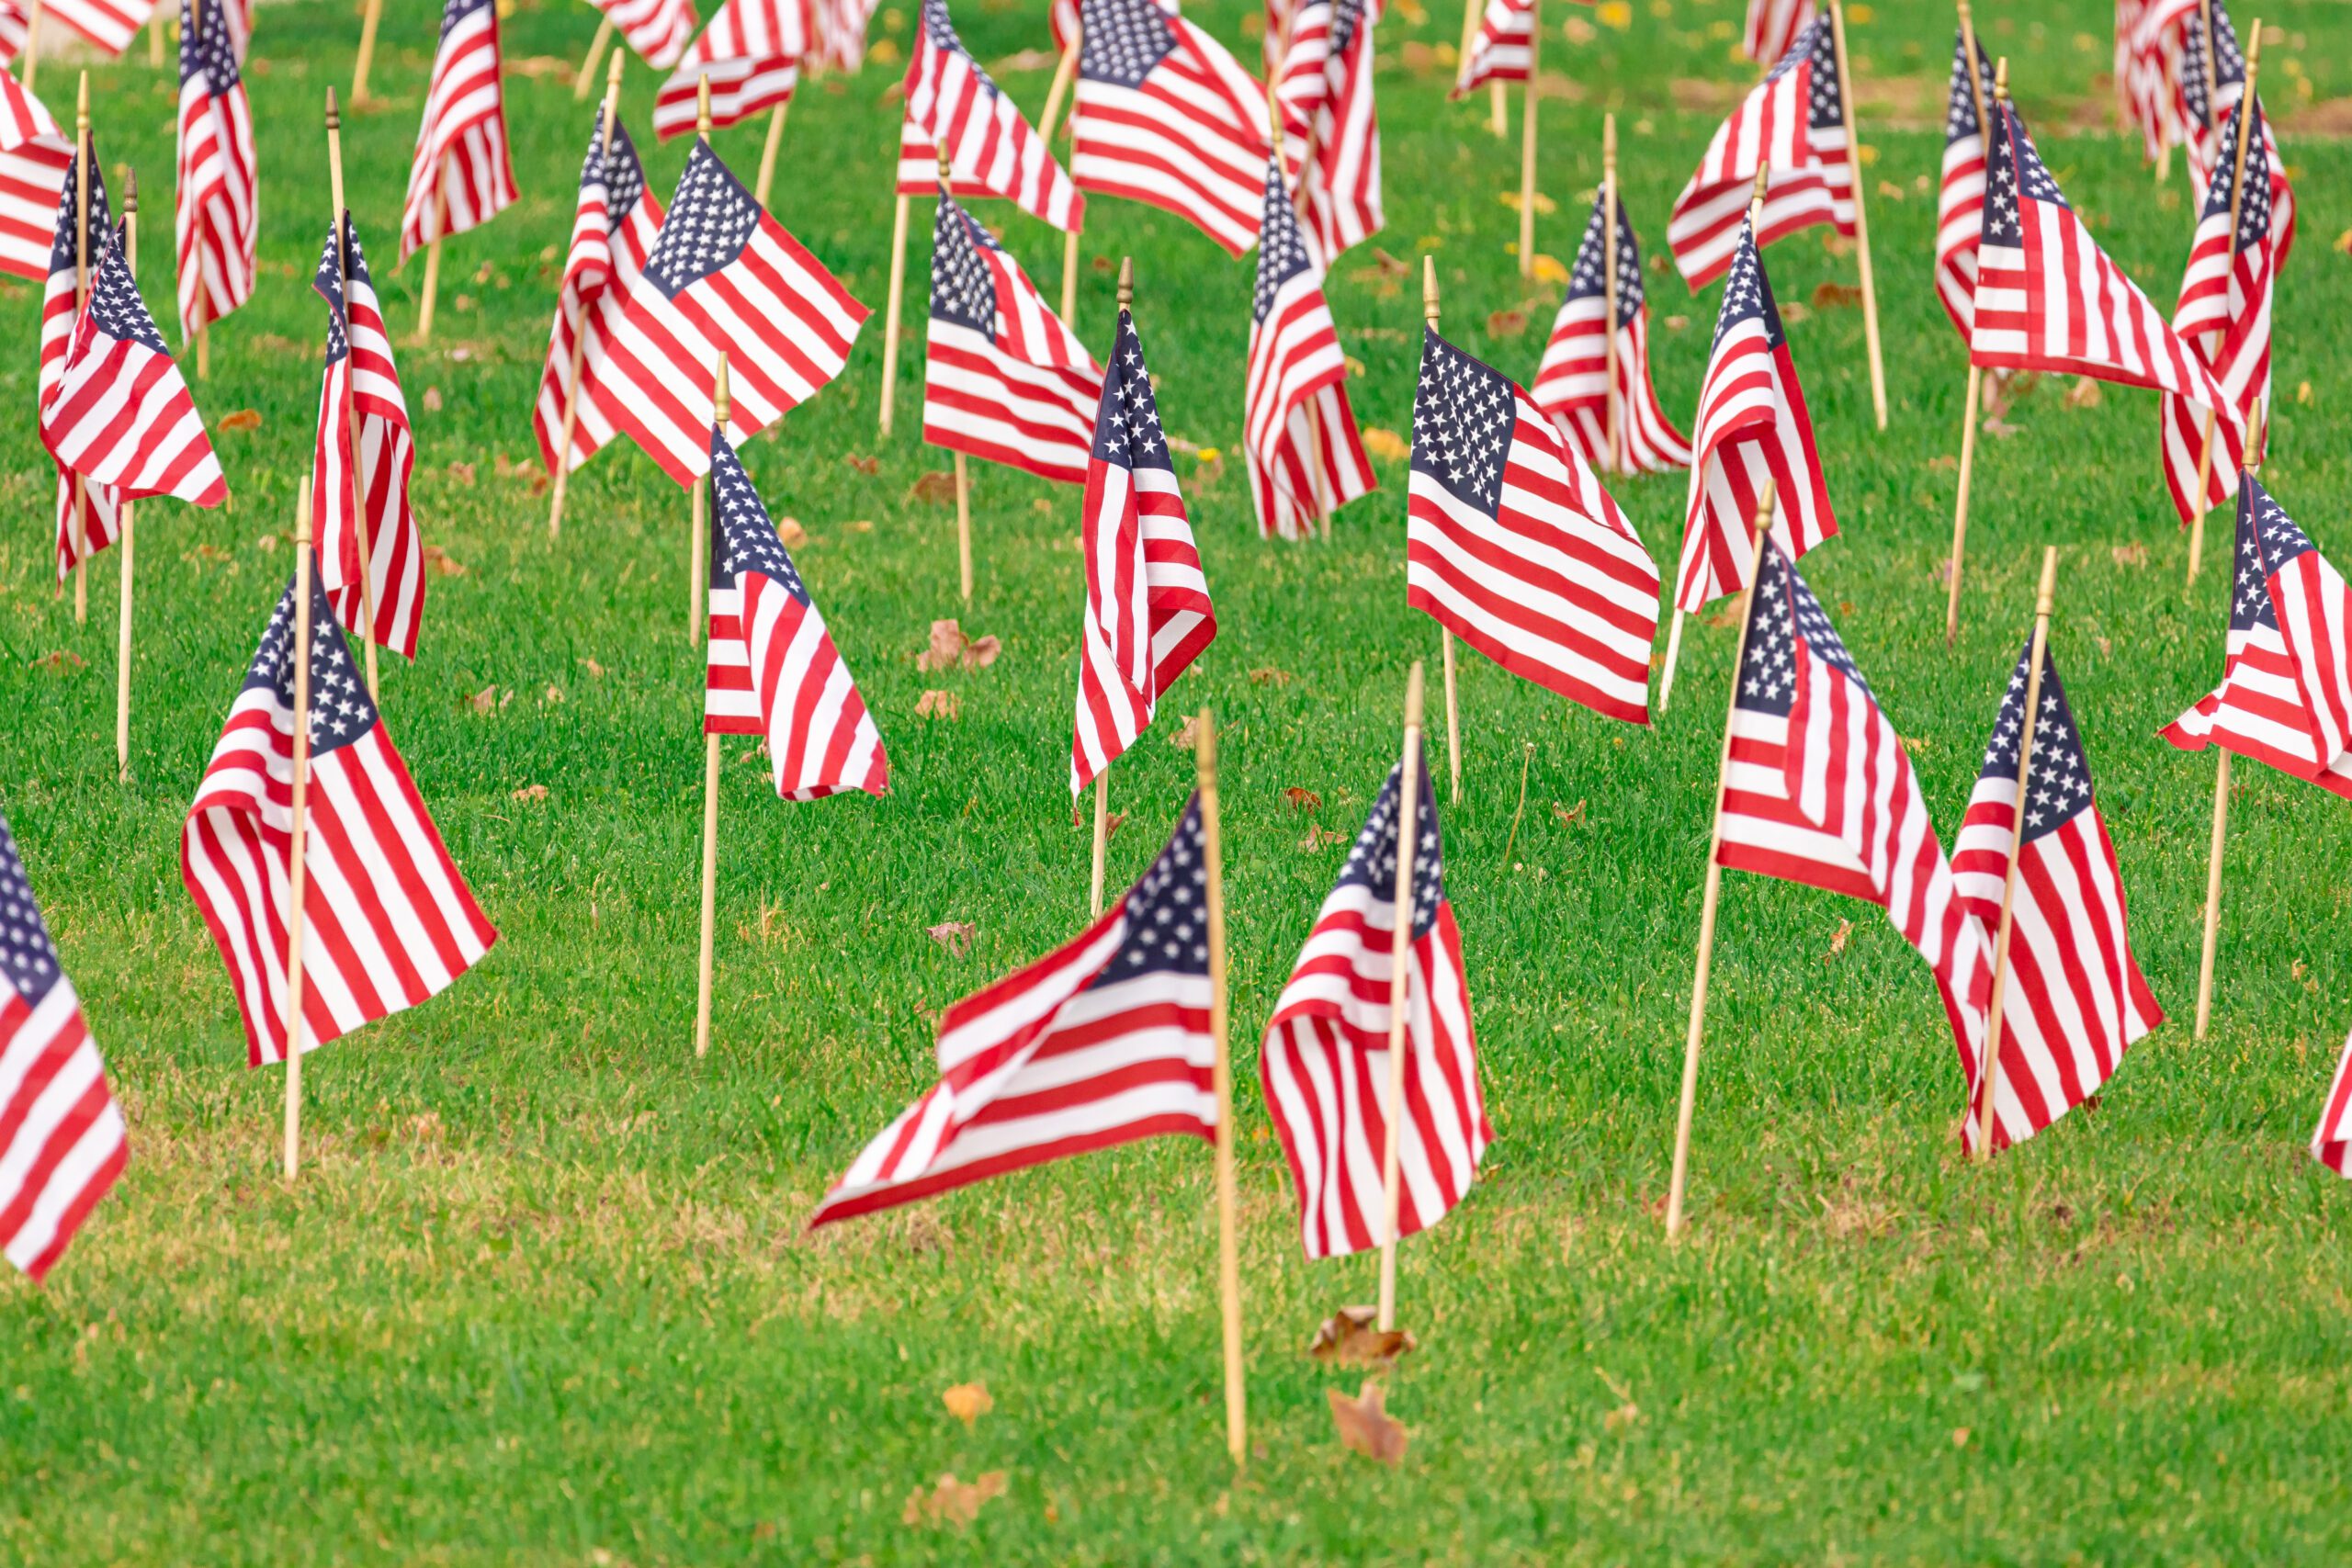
(88,515)
(1324,88)
(371,553)
(1959,201)
(460,177)
(750,54)
(1164,116)
(658,30)
(34,157)
(1307,460)
(215,220)
(992,150)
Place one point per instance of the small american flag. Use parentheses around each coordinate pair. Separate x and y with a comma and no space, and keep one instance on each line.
(724,277)
(1754,430)
(34,155)
(362,413)
(1148,611)
(2212,83)
(2074,1000)
(2286,691)
(612,232)
(2332,1139)
(214,219)
(2224,317)
(1959,205)
(16,31)
(992,150)
(120,415)
(1294,395)
(1793,122)
(773,671)
(839,33)
(1500,50)
(100,521)
(1572,383)
(1004,378)
(1325,1061)
(1163,114)
(1773,27)
(1332,132)
(659,30)
(1102,1042)
(461,175)
(108,26)
(2143,80)
(61,1139)
(389,922)
(1512,543)
(751,52)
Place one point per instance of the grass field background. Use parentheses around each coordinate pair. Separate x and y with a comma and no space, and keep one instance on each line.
(543,1292)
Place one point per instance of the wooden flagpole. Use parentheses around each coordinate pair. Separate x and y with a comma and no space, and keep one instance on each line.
(125,542)
(1975,396)
(155,38)
(1988,1076)
(585,82)
(350,413)
(768,152)
(1680,1182)
(891,313)
(1527,140)
(1102,779)
(2214,847)
(710,761)
(1229,1241)
(1400,958)
(1445,638)
(1065,74)
(2237,200)
(368,21)
(81,297)
(298,867)
(580,334)
(1613,463)
(433,253)
(1862,215)
(32,44)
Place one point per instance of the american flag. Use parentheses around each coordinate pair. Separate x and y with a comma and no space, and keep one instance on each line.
(1959,207)
(61,1139)
(2143,82)
(461,175)
(2212,83)
(1754,430)
(659,30)
(16,31)
(389,922)
(34,155)
(1500,51)
(751,52)
(1512,545)
(1794,122)
(1004,378)
(362,413)
(2332,1139)
(1163,114)
(100,521)
(723,278)
(120,416)
(772,670)
(108,25)
(2224,317)
(1102,1042)
(1325,1061)
(1773,27)
(613,231)
(214,221)
(838,33)
(1148,611)
(2074,1000)
(1331,132)
(990,149)
(2286,691)
(1295,394)
(1572,383)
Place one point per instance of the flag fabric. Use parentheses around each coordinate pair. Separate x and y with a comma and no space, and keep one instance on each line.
(34,155)
(2212,84)
(838,33)
(1164,116)
(16,31)
(461,175)
(1773,26)
(1004,378)
(2286,691)
(387,921)
(2224,316)
(1148,610)
(61,1139)
(1502,48)
(1294,395)
(214,217)
(2074,1000)
(1572,383)
(614,228)
(1324,1063)
(723,278)
(362,413)
(1754,430)
(659,30)
(751,52)
(1512,545)
(772,670)
(99,518)
(1959,204)
(120,415)
(1793,122)
(992,150)
(2142,83)
(2332,1139)
(108,26)
(1101,1041)
(1332,132)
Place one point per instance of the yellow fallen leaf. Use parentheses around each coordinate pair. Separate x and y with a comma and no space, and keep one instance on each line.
(1385,444)
(1548,268)
(1615,13)
(967,1402)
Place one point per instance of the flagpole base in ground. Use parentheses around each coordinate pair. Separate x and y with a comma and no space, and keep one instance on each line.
(1102,841)
(1228,1251)
(2214,895)
(124,547)
(710,758)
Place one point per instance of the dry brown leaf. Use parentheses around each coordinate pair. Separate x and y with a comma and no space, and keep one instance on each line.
(1621,1419)
(1083,817)
(1267,675)
(936,488)
(1319,837)
(1678,323)
(1364,1425)
(956,936)
(1385,444)
(1830,295)
(2001,429)
(1721,618)
(2344,242)
(952,1502)
(1576,30)
(936,703)
(533,66)
(1569,816)
(554,694)
(1390,265)
(863,464)
(1299,799)
(594,667)
(243,419)
(1505,323)
(1347,1338)
(1960,1434)
(2128,554)
(952,649)
(441,563)
(1837,939)
(1544,204)
(532,792)
(790,534)
(1796,313)
(61,660)
(1028,60)
(485,700)
(2085,394)
(461,474)
(1945,464)
(967,1402)
(1187,734)
(432,400)
(1889,191)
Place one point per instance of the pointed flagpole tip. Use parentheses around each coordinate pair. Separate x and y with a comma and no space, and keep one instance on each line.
(1414,682)
(946,168)
(1428,299)
(721,404)
(701,106)
(302,512)
(1126,282)
(1204,748)
(1964,17)
(2254,45)
(1608,145)
(335,116)
(2046,594)
(82,104)
(613,75)
(2001,80)
(1763,180)
(130,192)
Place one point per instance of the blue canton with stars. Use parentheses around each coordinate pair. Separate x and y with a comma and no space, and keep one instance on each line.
(455,12)
(2269,540)
(25,947)
(2058,786)
(2010,162)
(1747,295)
(1126,425)
(1959,112)
(327,284)
(1371,861)
(2198,81)
(115,304)
(742,536)
(1783,613)
(1464,418)
(1166,912)
(942,29)
(1123,41)
(210,53)
(60,247)
(1824,109)
(617,167)
(341,710)
(710,220)
(2254,199)
(1281,245)
(1346,17)
(1590,281)
(963,288)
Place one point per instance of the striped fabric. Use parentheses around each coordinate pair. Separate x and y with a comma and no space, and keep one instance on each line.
(2225,318)
(838,33)
(388,921)
(214,218)
(2212,83)
(2332,1139)
(34,155)
(613,231)
(1960,200)
(85,530)
(992,150)
(1793,122)
(1324,1063)
(751,52)
(1296,414)
(363,414)
(1498,50)
(461,176)
(659,30)
(108,26)
(1164,116)
(1773,27)
(1330,129)
(1572,383)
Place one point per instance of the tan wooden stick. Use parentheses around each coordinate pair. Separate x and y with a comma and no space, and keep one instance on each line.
(1400,958)
(1102,841)
(2213,894)
(698,540)
(368,21)
(1445,638)
(350,412)
(1064,73)
(1498,111)
(1070,277)
(1862,215)
(1527,140)
(297,868)
(32,44)
(433,253)
(1229,1241)
(585,82)
(891,313)
(2238,199)
(1613,460)
(768,152)
(125,544)
(580,330)
(710,762)
(964,526)
(155,38)
(1673,653)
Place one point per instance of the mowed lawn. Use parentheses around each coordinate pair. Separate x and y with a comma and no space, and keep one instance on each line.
(543,1292)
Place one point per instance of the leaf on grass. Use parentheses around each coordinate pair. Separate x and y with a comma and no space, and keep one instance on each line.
(1388,266)
(1617,1422)
(1889,191)
(532,793)
(1796,313)
(2001,429)
(1506,323)
(58,661)
(1960,1434)
(936,488)
(936,703)
(1347,1338)
(863,464)
(1832,295)
(1026,60)
(2085,394)
(243,419)
(1544,204)
(951,649)
(1576,30)
(461,474)
(484,701)
(1385,444)
(1569,816)
(1548,268)
(967,1402)
(441,563)
(1364,1425)
(1319,837)
(1678,323)
(2303,394)
(594,667)
(554,694)
(956,936)
(432,400)
(1187,735)
(1267,675)
(952,1502)
(1837,939)
(2128,554)
(1945,464)
(1299,799)
(790,534)
(2344,242)
(1723,618)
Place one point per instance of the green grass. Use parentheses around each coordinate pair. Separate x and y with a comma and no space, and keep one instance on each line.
(543,1294)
